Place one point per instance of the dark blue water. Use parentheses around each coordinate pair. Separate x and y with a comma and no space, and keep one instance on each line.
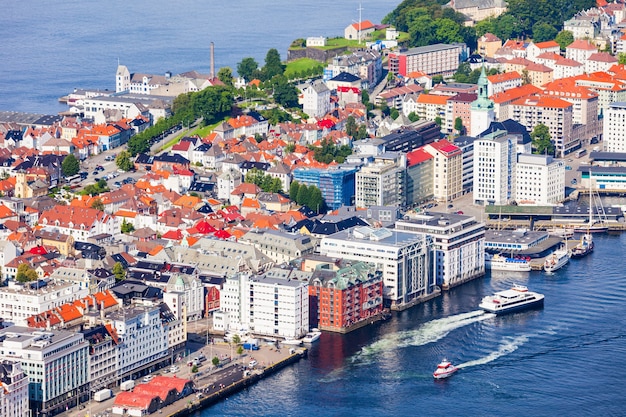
(49,48)
(565,359)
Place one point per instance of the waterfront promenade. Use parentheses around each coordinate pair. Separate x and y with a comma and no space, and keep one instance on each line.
(212,383)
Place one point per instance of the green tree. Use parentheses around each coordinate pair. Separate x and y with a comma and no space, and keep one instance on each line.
(485,26)
(138,144)
(564,38)
(119,271)
(621,58)
(438,79)
(213,103)
(458,125)
(127,227)
(25,273)
(236,339)
(70,166)
(413,117)
(543,32)
(215,361)
(97,204)
(194,369)
(273,65)
(351,127)
(525,77)
(285,93)
(394,113)
(463,72)
(541,140)
(294,187)
(316,200)
(247,67)
(361,133)
(448,31)
(290,147)
(438,121)
(303,196)
(239,350)
(225,75)
(124,162)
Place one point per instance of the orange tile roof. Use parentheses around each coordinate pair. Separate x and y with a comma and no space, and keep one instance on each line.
(582,44)
(505,76)
(514,93)
(432,99)
(134,400)
(547,44)
(69,312)
(542,101)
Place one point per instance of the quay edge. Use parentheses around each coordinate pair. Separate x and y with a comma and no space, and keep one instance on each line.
(192,406)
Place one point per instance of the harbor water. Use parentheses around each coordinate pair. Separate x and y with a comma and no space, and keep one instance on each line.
(567,358)
(50,48)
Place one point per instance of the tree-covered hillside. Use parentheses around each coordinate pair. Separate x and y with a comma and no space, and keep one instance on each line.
(427,21)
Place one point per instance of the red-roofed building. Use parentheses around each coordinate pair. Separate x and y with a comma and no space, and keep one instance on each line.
(135,404)
(499,83)
(359,30)
(580,50)
(448,170)
(420,170)
(502,101)
(599,61)
(535,49)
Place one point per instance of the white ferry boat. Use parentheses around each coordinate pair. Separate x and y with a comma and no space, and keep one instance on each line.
(557,260)
(500,262)
(508,301)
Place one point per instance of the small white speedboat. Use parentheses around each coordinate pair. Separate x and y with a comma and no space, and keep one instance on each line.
(312,336)
(291,342)
(444,370)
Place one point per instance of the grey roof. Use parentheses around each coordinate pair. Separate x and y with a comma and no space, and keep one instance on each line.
(345,77)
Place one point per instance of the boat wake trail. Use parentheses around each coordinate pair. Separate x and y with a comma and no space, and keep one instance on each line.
(428,332)
(509,345)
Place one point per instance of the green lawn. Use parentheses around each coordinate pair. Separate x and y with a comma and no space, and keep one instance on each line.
(200,131)
(300,65)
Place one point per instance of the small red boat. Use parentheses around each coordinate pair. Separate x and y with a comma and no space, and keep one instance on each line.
(444,369)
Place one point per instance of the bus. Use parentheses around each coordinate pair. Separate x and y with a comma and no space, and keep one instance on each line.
(581,153)
(73,178)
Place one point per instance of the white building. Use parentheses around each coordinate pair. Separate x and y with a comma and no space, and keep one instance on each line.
(18,302)
(494,168)
(142,338)
(268,304)
(227,182)
(316,41)
(57,365)
(382,183)
(316,99)
(192,290)
(102,357)
(448,170)
(614,127)
(13,389)
(459,245)
(405,259)
(540,180)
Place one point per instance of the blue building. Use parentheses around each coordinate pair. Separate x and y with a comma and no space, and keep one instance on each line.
(336,183)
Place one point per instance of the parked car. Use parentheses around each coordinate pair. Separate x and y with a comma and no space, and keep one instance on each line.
(574,181)
(147,378)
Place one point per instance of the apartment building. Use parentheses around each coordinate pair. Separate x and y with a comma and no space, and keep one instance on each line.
(442,59)
(553,112)
(614,128)
(56,363)
(540,180)
(494,168)
(274,304)
(335,183)
(14,389)
(142,338)
(404,258)
(458,244)
(382,182)
(419,177)
(19,302)
(447,170)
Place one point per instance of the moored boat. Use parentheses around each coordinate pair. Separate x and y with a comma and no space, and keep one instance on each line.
(508,301)
(291,342)
(445,369)
(584,247)
(312,336)
(557,260)
(499,262)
